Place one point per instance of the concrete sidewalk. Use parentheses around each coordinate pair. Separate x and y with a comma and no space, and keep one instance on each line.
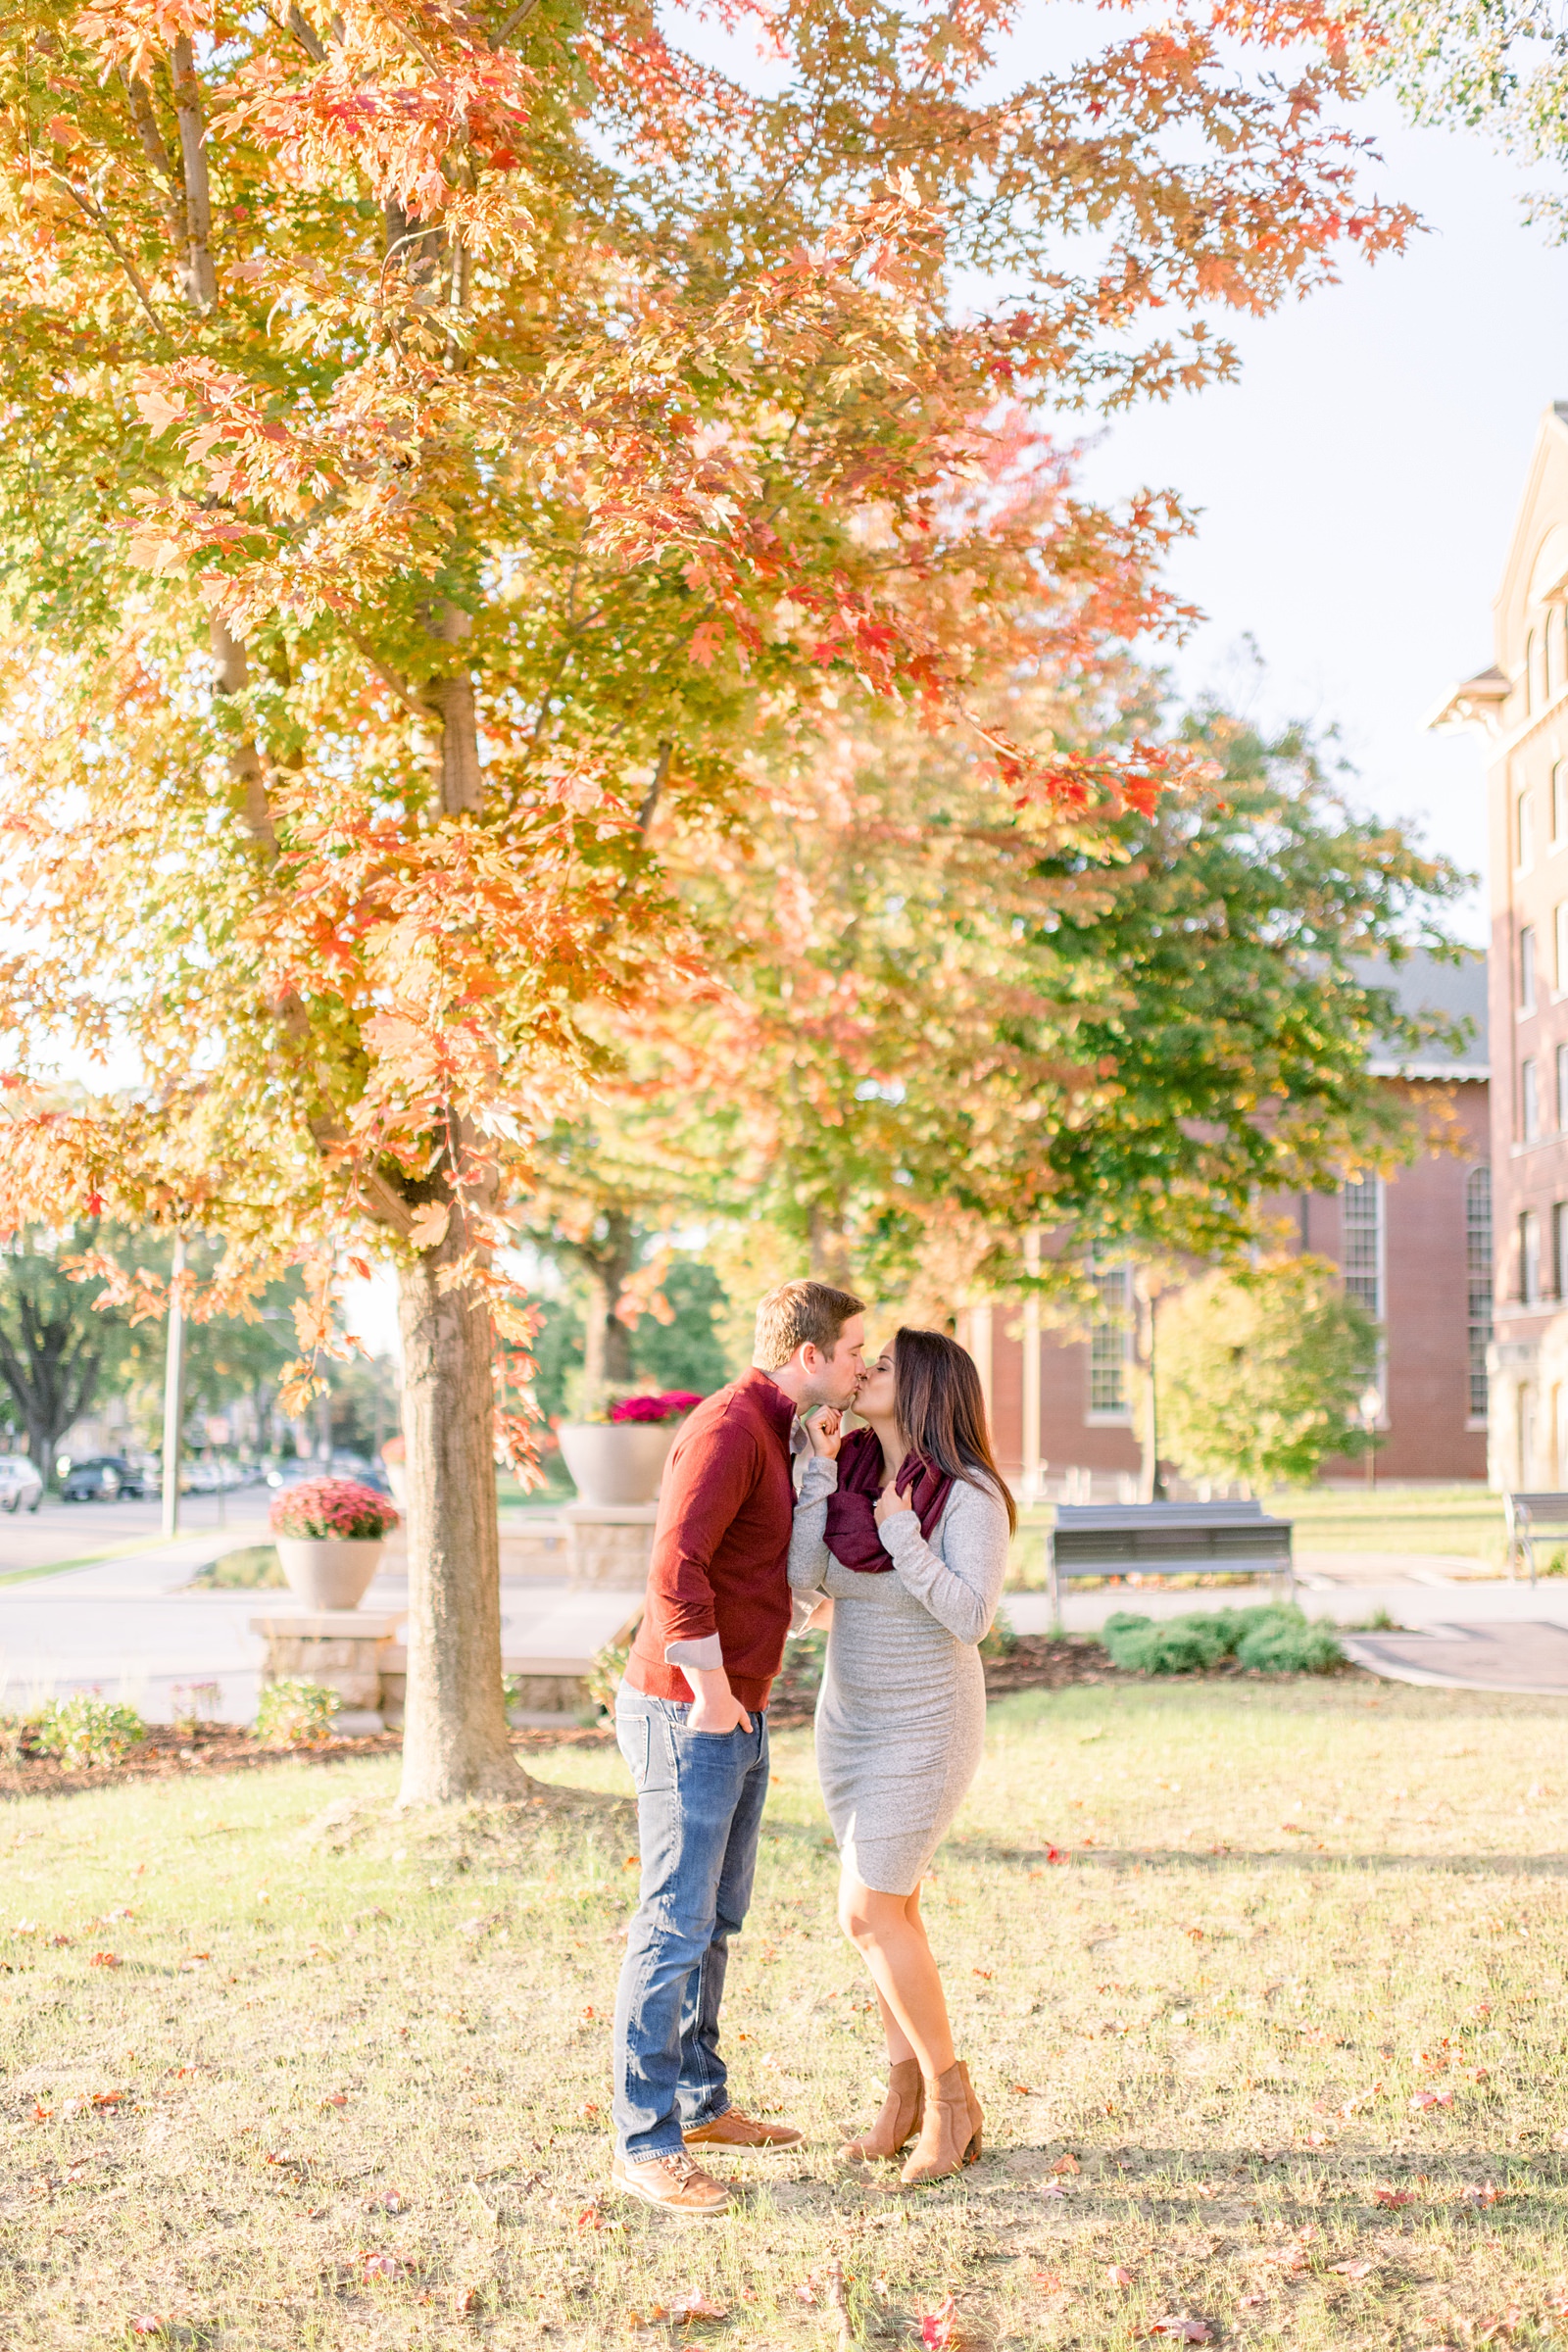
(133,1629)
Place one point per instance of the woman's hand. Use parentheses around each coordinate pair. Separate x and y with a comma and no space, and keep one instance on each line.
(890,1503)
(824,1430)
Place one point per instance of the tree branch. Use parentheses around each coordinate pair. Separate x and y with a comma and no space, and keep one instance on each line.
(519,16)
(307,37)
(201,279)
(645,814)
(100,220)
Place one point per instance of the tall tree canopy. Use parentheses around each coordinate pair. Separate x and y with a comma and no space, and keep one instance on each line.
(950,1020)
(444,449)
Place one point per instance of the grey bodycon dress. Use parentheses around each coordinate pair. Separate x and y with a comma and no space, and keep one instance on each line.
(901,1720)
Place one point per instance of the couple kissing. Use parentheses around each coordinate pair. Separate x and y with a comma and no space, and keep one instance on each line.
(893,1537)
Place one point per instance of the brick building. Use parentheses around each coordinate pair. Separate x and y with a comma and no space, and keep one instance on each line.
(1415,1247)
(1520,705)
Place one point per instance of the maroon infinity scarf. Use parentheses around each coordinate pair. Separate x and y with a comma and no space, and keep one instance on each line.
(853,1535)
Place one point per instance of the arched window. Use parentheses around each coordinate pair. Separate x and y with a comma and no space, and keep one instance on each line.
(1529,672)
(1477,1268)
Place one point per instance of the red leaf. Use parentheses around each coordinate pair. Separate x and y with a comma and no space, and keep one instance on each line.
(1392,2196)
(1185,2330)
(694,2305)
(938,2328)
(705,643)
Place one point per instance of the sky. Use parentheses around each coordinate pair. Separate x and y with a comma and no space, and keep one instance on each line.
(1357,485)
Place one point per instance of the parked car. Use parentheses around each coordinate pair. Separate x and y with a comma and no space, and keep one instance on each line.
(19,1482)
(103,1478)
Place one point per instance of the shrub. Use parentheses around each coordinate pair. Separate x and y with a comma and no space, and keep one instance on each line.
(296,1714)
(1273,1640)
(325,1507)
(87,1729)
(603,1677)
(1000,1640)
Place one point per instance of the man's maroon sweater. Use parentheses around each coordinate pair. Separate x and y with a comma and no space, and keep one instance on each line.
(721,1545)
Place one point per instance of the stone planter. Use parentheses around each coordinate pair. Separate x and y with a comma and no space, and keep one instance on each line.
(618,1461)
(330,1572)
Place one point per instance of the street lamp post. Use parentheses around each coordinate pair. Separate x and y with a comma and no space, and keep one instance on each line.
(1370,1402)
(173,1393)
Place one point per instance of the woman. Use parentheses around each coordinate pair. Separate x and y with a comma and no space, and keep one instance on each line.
(904,1526)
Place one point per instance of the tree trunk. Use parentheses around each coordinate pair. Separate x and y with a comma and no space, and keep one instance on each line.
(41,1447)
(455,1742)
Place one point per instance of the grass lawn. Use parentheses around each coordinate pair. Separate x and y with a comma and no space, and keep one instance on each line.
(1458,1519)
(1465,1520)
(1277,2046)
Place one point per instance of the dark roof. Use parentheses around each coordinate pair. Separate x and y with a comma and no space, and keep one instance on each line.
(1456,991)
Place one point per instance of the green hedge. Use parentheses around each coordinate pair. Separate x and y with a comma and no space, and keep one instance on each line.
(1273,1640)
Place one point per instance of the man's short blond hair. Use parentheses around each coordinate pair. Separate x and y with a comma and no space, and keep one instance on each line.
(798,1312)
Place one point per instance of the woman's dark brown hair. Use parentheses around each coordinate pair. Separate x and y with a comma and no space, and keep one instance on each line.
(939,1406)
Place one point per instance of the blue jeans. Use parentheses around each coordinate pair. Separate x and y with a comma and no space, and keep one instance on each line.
(700,1799)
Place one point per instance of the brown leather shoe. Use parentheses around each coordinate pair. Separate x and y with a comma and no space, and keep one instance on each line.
(952,2130)
(674,2183)
(732,2130)
(902,2113)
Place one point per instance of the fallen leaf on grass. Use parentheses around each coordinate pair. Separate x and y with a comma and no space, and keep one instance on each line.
(104,1960)
(694,2305)
(1363,2101)
(981,1972)
(593,2215)
(1385,2195)
(1115,2276)
(1046,2280)
(1422,2099)
(1252,2302)
(378,2265)
(1503,2324)
(1480,2192)
(466,2301)
(41,2113)
(1067,2162)
(1352,2270)
(334,2098)
(1185,2330)
(939,2328)
(1054,2188)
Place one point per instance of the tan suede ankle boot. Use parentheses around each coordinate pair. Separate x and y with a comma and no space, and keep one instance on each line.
(900,2119)
(950,2134)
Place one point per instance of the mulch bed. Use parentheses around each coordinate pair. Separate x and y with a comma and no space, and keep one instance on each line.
(1037,1662)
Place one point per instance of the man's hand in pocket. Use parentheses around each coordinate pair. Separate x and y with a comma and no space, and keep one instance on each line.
(716,1707)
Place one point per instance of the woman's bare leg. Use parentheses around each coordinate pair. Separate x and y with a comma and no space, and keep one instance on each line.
(889,1933)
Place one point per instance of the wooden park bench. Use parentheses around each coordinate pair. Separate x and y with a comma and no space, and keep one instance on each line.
(1168,1538)
(1527,1516)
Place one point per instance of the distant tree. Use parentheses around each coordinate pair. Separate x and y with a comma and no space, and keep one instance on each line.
(951,1018)
(1258,1371)
(57,1353)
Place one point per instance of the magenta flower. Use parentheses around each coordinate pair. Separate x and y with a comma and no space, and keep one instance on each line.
(324,1508)
(670,1406)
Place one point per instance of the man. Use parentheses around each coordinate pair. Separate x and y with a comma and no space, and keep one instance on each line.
(691,1717)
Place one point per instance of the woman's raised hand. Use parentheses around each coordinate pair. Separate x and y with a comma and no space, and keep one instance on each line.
(824,1430)
(890,1503)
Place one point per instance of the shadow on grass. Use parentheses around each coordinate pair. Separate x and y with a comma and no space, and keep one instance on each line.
(1216,1862)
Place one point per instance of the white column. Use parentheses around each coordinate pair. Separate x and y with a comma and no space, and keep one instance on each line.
(980,1332)
(1031,1372)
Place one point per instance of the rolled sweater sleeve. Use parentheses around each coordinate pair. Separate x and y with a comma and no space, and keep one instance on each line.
(808,1553)
(962,1590)
(709,1478)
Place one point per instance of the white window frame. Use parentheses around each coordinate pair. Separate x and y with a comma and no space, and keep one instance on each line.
(1110,1416)
(1530,1099)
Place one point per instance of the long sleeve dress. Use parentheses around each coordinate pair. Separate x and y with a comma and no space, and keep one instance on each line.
(901,1718)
